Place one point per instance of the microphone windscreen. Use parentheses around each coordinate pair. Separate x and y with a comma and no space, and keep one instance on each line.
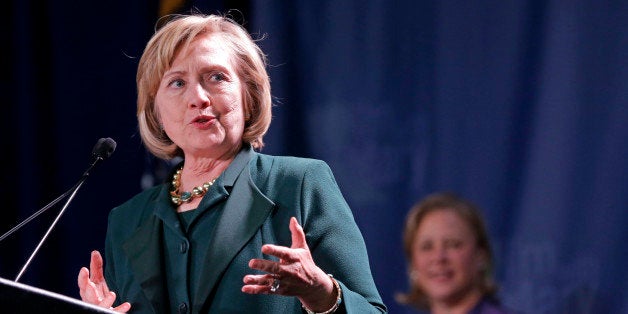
(104,148)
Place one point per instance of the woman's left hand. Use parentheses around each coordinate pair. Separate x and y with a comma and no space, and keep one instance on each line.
(295,274)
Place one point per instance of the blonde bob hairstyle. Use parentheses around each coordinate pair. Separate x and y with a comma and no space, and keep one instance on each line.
(250,65)
(470,214)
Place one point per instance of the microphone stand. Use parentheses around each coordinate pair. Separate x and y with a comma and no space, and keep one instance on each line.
(33,216)
(73,190)
(102,150)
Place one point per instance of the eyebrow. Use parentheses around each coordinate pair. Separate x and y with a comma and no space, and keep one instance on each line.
(171,73)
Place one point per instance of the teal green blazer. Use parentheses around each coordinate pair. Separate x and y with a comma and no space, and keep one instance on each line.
(261,193)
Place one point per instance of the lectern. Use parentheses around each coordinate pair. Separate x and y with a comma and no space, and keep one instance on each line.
(20,298)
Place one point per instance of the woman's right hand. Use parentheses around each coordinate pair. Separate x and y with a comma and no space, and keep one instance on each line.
(93,288)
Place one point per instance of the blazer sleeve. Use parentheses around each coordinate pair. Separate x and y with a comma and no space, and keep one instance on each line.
(335,241)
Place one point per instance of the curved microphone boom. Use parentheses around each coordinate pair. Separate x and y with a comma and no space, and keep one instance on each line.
(101,151)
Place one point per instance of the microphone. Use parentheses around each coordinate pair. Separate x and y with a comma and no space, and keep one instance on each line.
(102,150)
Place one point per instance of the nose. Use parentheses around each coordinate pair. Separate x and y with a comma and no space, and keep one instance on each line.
(440,253)
(198,97)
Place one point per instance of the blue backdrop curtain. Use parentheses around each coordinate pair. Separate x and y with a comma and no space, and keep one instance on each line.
(520,106)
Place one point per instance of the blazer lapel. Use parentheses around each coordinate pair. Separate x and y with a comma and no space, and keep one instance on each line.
(245,211)
(144,252)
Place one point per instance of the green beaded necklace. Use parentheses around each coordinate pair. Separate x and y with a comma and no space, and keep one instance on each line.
(185,197)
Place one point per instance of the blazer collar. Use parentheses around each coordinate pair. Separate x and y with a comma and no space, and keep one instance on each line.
(244,212)
(145,251)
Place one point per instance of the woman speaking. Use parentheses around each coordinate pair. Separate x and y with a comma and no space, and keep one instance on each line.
(234,230)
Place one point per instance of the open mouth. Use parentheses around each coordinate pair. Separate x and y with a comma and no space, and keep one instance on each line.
(203,121)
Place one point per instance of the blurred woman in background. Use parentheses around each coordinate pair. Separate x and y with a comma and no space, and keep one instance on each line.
(449,258)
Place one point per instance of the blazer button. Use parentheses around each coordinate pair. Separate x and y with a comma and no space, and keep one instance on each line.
(183,247)
(183,308)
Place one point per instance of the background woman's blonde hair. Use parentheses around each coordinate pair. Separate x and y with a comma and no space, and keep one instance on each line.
(470,214)
(250,66)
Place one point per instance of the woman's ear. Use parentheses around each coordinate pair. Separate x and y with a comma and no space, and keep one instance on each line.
(414,274)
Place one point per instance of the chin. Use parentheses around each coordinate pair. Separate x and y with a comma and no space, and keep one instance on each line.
(444,291)
(442,295)
(451,294)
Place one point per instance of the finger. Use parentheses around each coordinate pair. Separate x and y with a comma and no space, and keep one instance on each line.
(83,277)
(265,265)
(91,294)
(95,267)
(285,254)
(298,236)
(84,284)
(258,279)
(258,284)
(108,300)
(256,289)
(123,308)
